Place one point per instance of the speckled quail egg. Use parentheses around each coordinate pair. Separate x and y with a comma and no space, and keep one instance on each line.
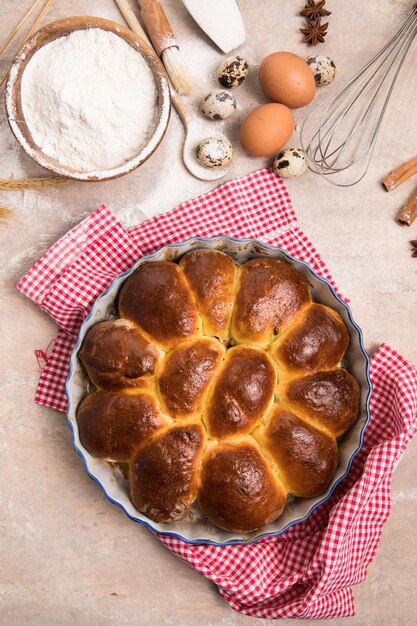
(290,163)
(323,68)
(218,105)
(214,152)
(232,72)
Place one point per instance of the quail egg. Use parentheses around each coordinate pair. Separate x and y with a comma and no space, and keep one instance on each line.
(214,152)
(232,72)
(290,163)
(323,68)
(218,105)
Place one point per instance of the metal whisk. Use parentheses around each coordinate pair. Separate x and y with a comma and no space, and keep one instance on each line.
(343,129)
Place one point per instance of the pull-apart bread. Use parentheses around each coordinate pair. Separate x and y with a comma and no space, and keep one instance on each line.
(218,384)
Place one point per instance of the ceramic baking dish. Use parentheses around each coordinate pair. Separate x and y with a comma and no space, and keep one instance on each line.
(195,528)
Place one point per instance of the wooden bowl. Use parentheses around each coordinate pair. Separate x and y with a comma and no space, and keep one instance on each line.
(62,28)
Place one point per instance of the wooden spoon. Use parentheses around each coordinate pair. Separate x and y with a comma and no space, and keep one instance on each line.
(194,134)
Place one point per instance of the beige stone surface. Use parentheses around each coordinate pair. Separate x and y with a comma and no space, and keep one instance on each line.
(67,556)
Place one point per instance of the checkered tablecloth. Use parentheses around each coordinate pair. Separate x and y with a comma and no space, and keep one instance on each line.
(308,571)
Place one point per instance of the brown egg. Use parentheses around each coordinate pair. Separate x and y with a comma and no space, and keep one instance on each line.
(266,129)
(286,78)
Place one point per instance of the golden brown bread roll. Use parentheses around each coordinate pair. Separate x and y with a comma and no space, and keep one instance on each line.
(239,490)
(115,354)
(329,398)
(112,424)
(164,474)
(317,340)
(195,416)
(186,374)
(306,457)
(270,292)
(243,392)
(159,300)
(211,275)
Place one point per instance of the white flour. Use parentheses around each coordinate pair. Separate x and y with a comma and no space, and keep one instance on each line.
(89,100)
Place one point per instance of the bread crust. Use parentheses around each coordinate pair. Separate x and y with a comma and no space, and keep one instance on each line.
(186,374)
(158,299)
(306,457)
(220,385)
(270,292)
(116,355)
(317,340)
(113,424)
(239,490)
(243,392)
(329,399)
(211,275)
(164,474)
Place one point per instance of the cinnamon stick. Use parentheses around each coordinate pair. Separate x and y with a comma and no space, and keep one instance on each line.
(408,214)
(400,174)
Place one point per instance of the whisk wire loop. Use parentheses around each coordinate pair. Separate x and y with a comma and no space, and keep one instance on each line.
(347,123)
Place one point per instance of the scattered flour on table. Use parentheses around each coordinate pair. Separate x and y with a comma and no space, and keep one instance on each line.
(404,495)
(89,100)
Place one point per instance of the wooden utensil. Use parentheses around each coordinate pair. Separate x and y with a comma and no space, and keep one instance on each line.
(61,28)
(131,19)
(165,44)
(194,134)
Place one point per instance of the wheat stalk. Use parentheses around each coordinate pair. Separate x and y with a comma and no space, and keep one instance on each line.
(5,212)
(22,21)
(18,184)
(34,25)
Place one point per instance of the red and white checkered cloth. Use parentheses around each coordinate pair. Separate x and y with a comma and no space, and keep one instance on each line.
(308,571)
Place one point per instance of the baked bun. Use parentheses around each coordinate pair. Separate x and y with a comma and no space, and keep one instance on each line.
(212,275)
(220,386)
(269,294)
(116,355)
(331,399)
(165,473)
(158,298)
(113,424)
(316,341)
(186,374)
(239,490)
(306,457)
(243,392)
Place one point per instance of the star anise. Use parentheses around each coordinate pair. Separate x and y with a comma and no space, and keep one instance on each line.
(313,10)
(414,248)
(315,32)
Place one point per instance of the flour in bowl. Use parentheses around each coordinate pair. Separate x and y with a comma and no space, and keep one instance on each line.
(89,100)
